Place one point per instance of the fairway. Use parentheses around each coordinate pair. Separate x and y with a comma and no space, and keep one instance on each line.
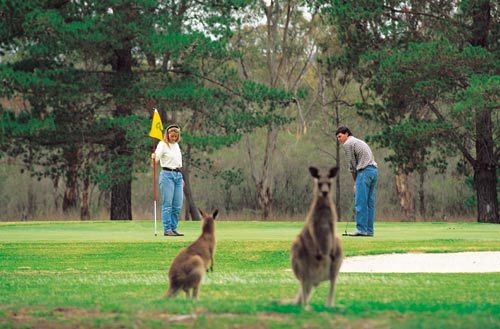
(110,274)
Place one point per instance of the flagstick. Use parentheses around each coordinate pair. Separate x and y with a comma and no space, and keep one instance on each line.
(154,189)
(154,198)
(155,132)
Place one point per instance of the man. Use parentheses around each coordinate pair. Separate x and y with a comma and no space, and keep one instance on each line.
(364,171)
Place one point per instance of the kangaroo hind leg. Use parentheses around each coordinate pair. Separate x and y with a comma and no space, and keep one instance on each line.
(305,293)
(335,268)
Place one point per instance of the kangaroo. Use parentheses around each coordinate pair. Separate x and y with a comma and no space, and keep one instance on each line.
(317,252)
(189,267)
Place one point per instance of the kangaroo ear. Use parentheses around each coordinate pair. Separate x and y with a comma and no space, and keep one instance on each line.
(216,212)
(333,172)
(201,212)
(314,172)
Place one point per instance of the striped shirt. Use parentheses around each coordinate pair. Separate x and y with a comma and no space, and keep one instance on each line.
(358,154)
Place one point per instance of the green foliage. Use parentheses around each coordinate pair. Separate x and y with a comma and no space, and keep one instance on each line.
(433,71)
(260,93)
(86,69)
(205,143)
(481,93)
(183,91)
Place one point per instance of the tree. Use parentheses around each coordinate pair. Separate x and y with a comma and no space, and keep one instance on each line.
(96,61)
(426,61)
(277,55)
(335,90)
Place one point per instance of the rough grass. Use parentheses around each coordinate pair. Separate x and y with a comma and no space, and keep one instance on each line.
(113,275)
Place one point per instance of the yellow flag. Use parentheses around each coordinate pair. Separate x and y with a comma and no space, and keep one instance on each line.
(156,127)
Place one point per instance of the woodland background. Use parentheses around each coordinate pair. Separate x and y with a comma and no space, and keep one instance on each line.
(258,88)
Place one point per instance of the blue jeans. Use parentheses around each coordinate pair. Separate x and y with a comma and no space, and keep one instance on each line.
(171,198)
(366,188)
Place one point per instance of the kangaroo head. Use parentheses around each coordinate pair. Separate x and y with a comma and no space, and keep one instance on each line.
(323,180)
(208,216)
(208,221)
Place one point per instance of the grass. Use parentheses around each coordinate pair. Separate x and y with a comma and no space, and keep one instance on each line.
(113,275)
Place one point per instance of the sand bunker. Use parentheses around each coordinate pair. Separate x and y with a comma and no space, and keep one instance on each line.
(460,262)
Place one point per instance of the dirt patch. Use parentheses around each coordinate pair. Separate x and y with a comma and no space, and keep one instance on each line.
(58,318)
(74,312)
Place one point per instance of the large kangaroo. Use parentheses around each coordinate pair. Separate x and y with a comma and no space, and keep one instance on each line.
(189,267)
(316,252)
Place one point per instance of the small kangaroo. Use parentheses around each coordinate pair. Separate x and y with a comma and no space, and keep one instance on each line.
(189,267)
(316,252)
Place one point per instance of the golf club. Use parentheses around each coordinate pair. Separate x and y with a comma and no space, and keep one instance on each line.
(350,214)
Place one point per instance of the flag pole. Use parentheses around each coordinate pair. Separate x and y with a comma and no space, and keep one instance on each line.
(154,189)
(157,133)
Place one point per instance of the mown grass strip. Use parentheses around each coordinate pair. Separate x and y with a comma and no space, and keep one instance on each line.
(98,280)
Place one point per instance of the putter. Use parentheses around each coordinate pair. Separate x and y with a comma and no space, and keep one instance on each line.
(345,232)
(347,221)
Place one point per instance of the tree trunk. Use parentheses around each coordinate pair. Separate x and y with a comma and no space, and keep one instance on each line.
(189,200)
(487,205)
(337,163)
(485,178)
(84,202)
(55,185)
(264,186)
(31,202)
(337,184)
(264,198)
(421,194)
(485,171)
(121,191)
(121,201)
(72,157)
(405,196)
(190,209)
(481,26)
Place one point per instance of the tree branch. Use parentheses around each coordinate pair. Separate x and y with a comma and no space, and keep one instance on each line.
(418,13)
(456,137)
(284,42)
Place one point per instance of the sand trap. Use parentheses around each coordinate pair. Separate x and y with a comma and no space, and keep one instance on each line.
(460,262)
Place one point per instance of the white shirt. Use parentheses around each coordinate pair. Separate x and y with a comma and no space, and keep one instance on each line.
(169,155)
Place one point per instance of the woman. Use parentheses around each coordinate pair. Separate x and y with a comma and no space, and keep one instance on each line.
(169,154)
